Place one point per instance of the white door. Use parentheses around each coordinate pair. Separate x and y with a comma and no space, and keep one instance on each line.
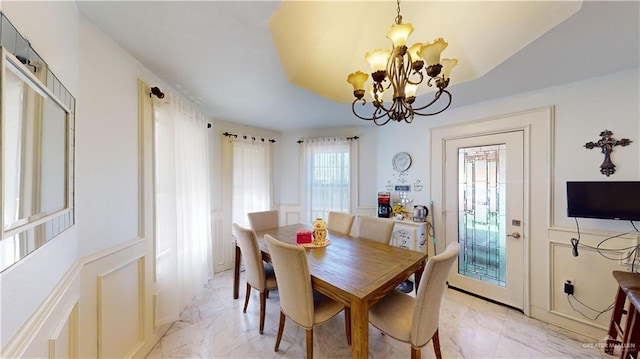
(484,207)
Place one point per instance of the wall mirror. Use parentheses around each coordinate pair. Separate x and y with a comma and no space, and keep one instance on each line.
(37,118)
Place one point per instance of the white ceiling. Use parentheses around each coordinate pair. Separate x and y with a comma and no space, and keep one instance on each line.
(221,55)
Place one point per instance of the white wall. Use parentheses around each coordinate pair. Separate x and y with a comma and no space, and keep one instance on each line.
(106,142)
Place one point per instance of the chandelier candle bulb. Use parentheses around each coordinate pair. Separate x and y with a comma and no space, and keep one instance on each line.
(357,80)
(410,90)
(431,52)
(378,59)
(416,61)
(399,34)
(447,65)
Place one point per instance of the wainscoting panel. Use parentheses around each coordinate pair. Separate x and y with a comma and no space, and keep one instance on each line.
(64,341)
(52,330)
(591,273)
(290,214)
(593,284)
(222,245)
(292,218)
(120,310)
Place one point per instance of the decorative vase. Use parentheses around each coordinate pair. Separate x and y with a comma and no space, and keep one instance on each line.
(319,230)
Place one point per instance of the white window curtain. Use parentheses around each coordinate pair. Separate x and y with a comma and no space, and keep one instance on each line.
(182,214)
(326,176)
(251,177)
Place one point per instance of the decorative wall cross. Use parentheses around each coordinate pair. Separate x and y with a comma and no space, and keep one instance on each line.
(606,143)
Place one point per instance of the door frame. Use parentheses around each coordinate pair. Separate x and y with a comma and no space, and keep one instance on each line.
(537,127)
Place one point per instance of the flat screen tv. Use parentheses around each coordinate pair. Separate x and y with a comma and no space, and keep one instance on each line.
(606,200)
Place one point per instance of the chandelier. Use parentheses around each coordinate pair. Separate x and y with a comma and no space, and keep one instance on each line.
(403,69)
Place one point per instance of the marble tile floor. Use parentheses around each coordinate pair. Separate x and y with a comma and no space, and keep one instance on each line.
(214,326)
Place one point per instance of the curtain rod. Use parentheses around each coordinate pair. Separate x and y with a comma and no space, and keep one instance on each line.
(234,135)
(352,138)
(159,94)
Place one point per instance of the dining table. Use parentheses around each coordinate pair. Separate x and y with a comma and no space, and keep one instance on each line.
(353,271)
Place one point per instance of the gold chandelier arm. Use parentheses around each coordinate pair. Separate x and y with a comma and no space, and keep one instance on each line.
(435,99)
(410,71)
(375,120)
(375,117)
(419,73)
(393,73)
(407,112)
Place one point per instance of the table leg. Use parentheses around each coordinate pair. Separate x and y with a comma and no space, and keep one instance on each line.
(236,273)
(418,277)
(359,330)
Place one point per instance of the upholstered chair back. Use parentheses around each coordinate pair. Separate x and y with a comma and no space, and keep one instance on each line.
(294,281)
(375,229)
(263,220)
(429,297)
(253,265)
(340,222)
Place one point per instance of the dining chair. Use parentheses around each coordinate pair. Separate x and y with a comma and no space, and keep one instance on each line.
(263,220)
(340,222)
(375,229)
(298,300)
(260,275)
(415,320)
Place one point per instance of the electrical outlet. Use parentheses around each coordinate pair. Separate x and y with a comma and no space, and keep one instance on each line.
(569,285)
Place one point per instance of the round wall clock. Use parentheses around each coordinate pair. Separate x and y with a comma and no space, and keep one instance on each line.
(401,161)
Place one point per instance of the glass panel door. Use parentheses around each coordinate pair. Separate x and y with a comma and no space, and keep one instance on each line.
(482,213)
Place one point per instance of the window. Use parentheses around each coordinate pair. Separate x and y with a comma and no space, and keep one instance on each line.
(327,176)
(251,178)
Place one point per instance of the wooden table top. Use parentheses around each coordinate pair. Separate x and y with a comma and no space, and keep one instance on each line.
(352,268)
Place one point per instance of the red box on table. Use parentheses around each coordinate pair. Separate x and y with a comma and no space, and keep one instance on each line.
(303,236)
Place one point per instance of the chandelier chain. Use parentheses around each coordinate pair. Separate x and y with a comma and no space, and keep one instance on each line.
(399,17)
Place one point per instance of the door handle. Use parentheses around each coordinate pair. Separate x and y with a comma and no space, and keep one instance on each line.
(515,235)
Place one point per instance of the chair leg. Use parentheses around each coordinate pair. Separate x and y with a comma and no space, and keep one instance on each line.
(263,302)
(415,353)
(246,299)
(436,345)
(614,324)
(266,293)
(347,324)
(310,343)
(280,330)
